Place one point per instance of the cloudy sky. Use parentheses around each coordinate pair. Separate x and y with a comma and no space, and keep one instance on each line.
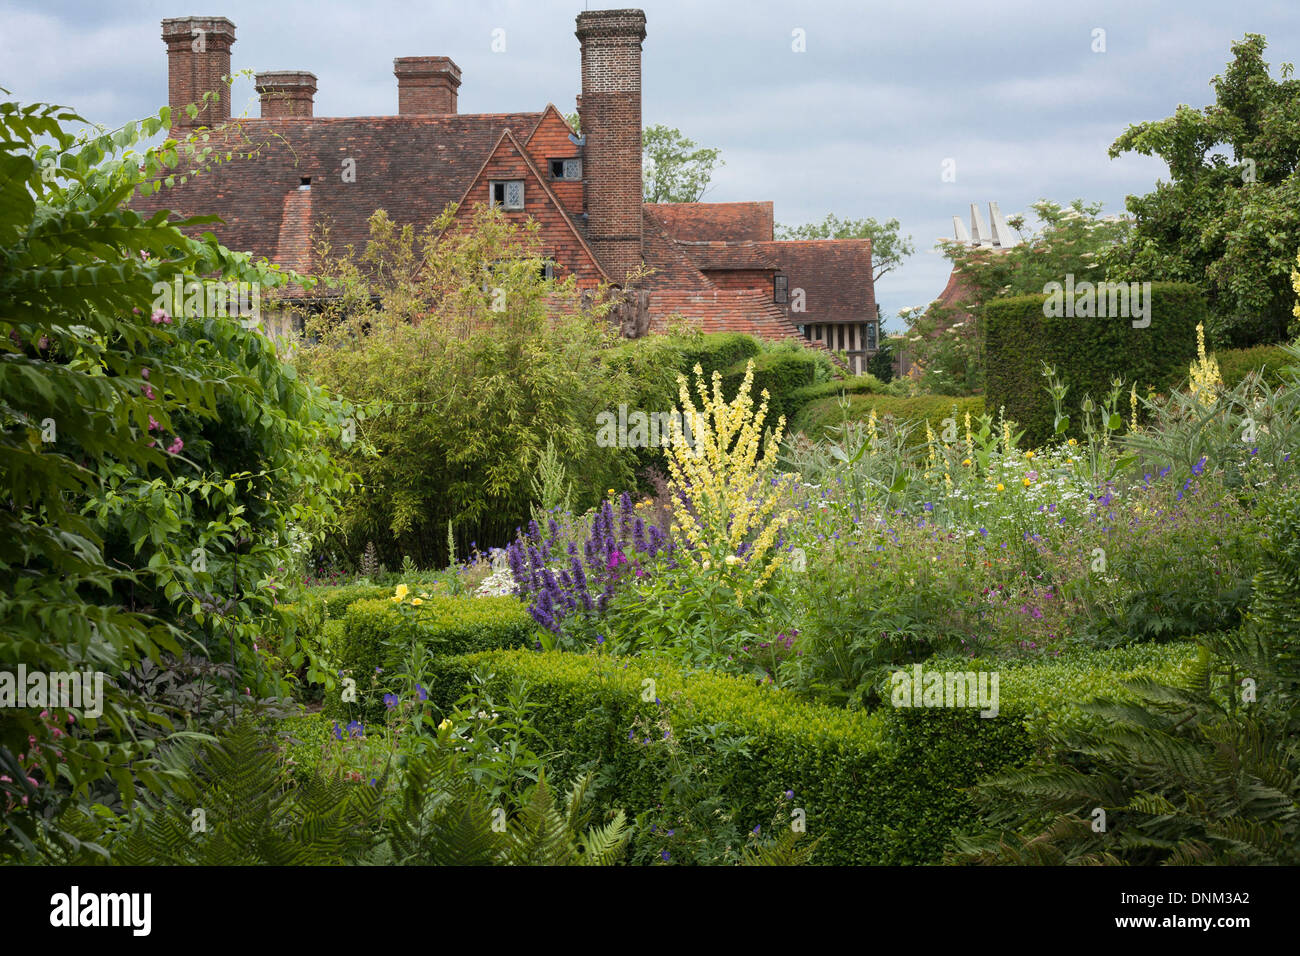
(859,123)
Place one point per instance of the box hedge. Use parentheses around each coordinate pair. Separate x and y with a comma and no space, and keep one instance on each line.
(1234,364)
(880,788)
(337,599)
(823,414)
(1087,353)
(375,633)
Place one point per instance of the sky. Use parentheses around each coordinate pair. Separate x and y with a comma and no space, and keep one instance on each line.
(1023,97)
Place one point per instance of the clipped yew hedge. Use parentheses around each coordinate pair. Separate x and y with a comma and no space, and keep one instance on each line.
(818,416)
(1086,352)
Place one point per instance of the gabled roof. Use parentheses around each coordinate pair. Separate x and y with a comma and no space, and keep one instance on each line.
(835,275)
(731,255)
(508,146)
(715,221)
(410,166)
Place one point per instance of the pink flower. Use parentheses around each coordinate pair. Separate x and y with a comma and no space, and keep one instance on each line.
(148,392)
(160,317)
(71,719)
(144,373)
(175,447)
(153,424)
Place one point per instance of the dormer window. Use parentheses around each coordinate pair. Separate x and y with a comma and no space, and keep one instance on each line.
(508,194)
(566,169)
(780,289)
(304,184)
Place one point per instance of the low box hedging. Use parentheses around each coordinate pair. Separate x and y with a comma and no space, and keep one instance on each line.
(444,625)
(880,788)
(1234,364)
(822,414)
(337,599)
(1087,353)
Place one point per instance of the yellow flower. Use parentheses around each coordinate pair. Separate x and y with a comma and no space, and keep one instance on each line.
(609,491)
(1072,442)
(1069,461)
(966,462)
(1000,487)
(445,725)
(1027,482)
(732,559)
(400,593)
(1029,454)
(416,601)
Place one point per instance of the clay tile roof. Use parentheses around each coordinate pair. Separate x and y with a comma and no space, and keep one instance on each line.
(672,267)
(731,255)
(410,166)
(835,274)
(723,310)
(715,221)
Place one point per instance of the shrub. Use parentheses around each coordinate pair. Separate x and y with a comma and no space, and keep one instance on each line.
(781,372)
(822,414)
(374,634)
(1087,353)
(1235,364)
(336,601)
(469,394)
(880,787)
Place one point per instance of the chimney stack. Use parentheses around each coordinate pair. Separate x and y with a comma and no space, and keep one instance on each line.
(426,85)
(286,93)
(198,60)
(610,113)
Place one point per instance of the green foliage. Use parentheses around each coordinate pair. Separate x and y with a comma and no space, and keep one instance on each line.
(876,788)
(98,538)
(468,395)
(1268,360)
(377,634)
(337,600)
(1229,218)
(783,372)
(888,248)
(675,167)
(1202,770)
(881,364)
(947,342)
(245,811)
(1088,353)
(820,415)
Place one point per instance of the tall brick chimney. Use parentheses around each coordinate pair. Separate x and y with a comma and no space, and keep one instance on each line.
(610,114)
(285,93)
(198,57)
(426,85)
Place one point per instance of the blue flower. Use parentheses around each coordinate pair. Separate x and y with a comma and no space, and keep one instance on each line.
(757,830)
(421,692)
(928,506)
(984,532)
(338,731)
(789,794)
(355,729)
(1199,466)
(665,855)
(390,701)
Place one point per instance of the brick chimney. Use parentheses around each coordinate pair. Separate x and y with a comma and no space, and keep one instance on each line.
(426,85)
(610,113)
(198,57)
(286,93)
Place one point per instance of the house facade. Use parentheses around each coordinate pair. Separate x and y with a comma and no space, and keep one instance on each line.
(717,264)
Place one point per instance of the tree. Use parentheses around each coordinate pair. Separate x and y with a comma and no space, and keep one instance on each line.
(1229,218)
(478,363)
(675,168)
(888,248)
(151,460)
